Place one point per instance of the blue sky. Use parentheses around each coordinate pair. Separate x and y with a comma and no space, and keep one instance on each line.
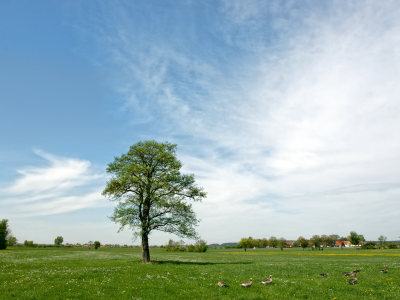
(286,112)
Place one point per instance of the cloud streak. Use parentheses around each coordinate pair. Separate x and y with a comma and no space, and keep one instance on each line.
(64,185)
(270,105)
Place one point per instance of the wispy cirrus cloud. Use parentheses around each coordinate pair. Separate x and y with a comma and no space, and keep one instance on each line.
(63,185)
(271,105)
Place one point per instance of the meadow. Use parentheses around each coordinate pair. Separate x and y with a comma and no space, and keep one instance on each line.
(116,273)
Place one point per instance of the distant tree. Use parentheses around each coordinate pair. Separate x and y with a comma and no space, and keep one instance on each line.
(201,246)
(342,239)
(256,243)
(303,242)
(170,245)
(333,238)
(273,242)
(391,245)
(354,238)
(324,240)
(281,243)
(295,244)
(58,241)
(12,241)
(382,241)
(152,192)
(316,240)
(4,231)
(369,245)
(28,243)
(263,243)
(246,243)
(96,244)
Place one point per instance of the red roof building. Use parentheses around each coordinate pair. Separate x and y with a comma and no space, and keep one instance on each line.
(339,243)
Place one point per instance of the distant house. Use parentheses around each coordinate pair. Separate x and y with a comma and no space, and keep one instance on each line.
(289,244)
(339,243)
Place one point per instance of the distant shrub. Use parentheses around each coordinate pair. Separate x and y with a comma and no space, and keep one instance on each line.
(369,245)
(392,245)
(201,246)
(191,248)
(29,244)
(96,244)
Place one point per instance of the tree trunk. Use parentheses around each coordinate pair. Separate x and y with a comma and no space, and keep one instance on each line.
(244,249)
(145,248)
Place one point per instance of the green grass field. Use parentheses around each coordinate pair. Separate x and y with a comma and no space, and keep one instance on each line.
(117,274)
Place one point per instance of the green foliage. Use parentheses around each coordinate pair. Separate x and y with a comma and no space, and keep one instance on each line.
(295,244)
(11,241)
(201,246)
(382,241)
(369,245)
(30,244)
(302,242)
(273,242)
(282,243)
(316,241)
(58,241)
(263,243)
(152,193)
(355,238)
(391,246)
(96,244)
(5,235)
(191,248)
(245,243)
(334,238)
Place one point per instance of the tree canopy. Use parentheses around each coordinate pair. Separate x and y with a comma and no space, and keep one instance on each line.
(4,230)
(282,243)
(152,193)
(355,238)
(316,241)
(96,244)
(58,241)
(246,243)
(382,240)
(303,242)
(273,242)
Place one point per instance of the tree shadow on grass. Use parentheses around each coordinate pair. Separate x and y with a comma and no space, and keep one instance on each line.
(178,262)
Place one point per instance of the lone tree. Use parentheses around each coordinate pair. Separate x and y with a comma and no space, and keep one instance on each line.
(246,243)
(96,245)
(152,193)
(58,241)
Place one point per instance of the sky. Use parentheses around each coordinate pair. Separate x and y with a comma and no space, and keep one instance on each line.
(287,113)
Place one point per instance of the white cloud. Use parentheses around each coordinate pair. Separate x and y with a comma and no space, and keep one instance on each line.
(311,107)
(65,184)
